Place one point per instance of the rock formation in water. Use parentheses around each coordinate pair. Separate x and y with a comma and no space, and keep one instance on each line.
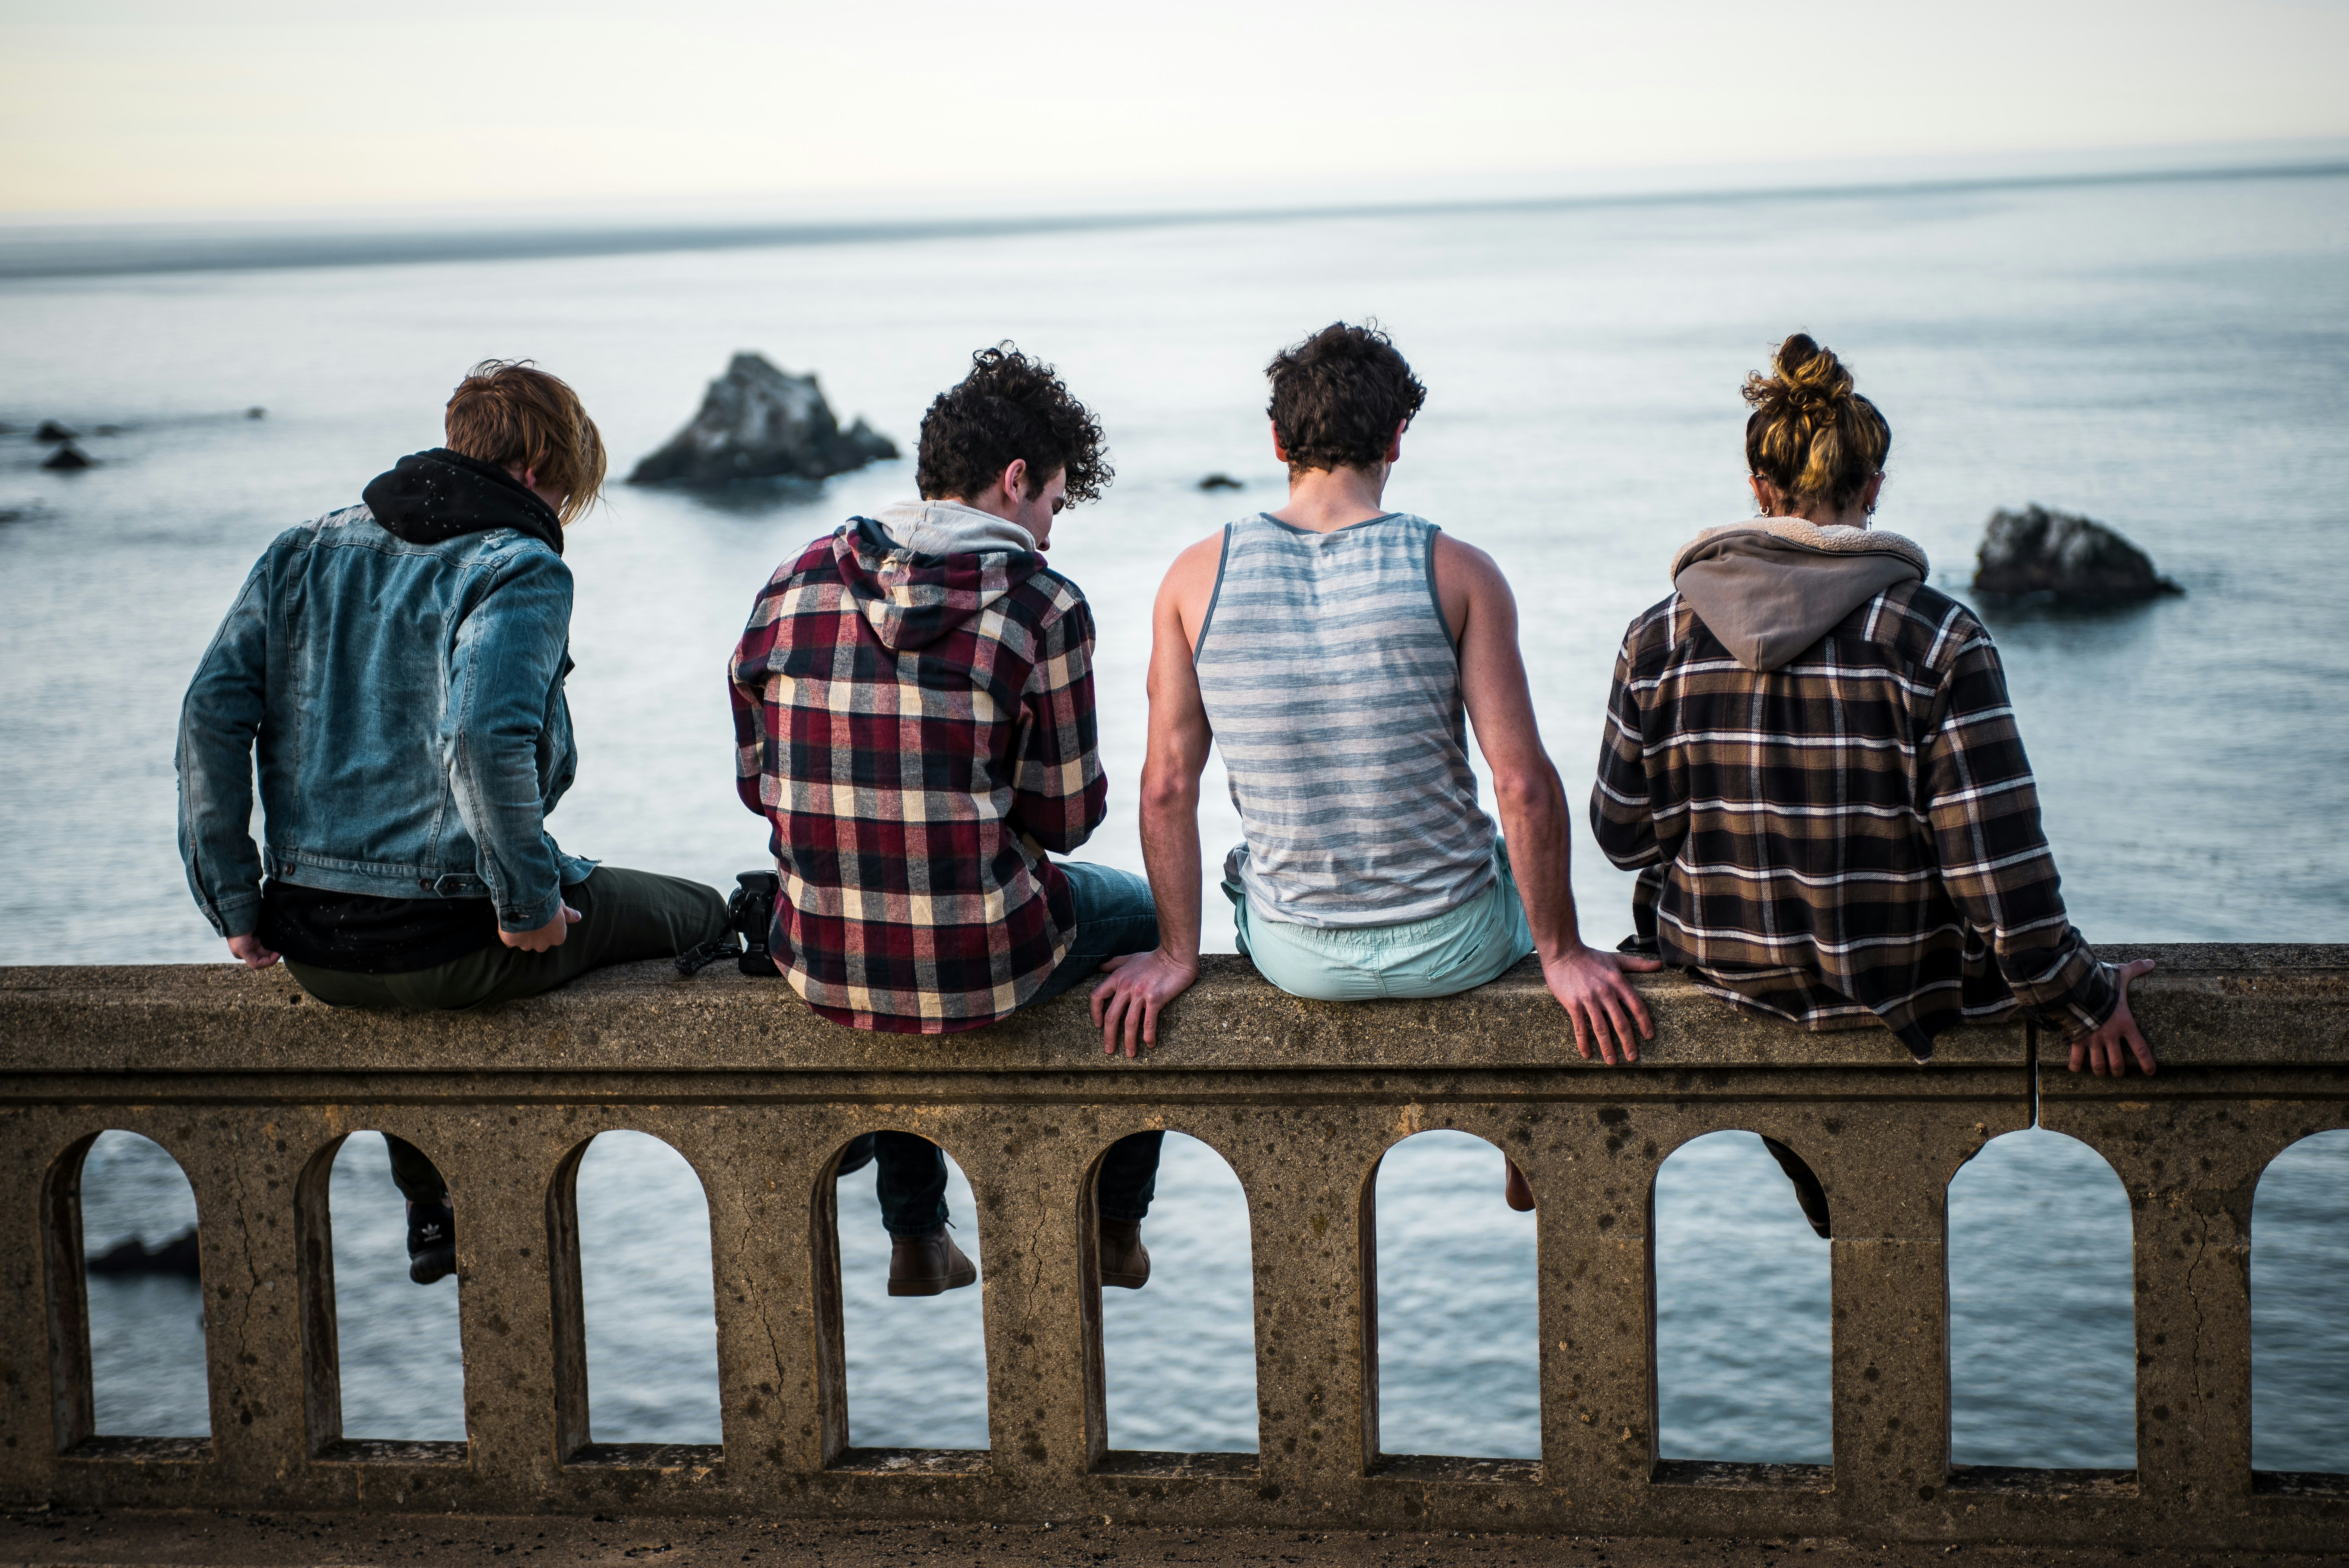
(1220,481)
(67,458)
(758,422)
(51,431)
(176,1256)
(2035,550)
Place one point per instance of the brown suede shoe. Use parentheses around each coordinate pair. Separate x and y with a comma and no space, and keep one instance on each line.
(928,1265)
(1124,1261)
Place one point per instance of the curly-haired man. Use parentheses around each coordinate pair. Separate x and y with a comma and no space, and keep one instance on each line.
(914,712)
(1333,649)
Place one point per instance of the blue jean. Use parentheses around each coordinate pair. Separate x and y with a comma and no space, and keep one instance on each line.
(1115,914)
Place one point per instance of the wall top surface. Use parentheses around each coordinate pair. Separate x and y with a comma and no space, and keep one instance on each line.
(2213,1005)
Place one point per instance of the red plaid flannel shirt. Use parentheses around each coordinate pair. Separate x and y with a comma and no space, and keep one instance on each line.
(920,730)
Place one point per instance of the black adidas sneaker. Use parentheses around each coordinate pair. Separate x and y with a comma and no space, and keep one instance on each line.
(432,1241)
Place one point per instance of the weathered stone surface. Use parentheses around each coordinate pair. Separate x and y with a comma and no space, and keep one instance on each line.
(759,422)
(2035,550)
(243,1538)
(251,1088)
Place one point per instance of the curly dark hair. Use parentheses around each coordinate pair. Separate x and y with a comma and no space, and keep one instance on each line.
(1337,397)
(1008,406)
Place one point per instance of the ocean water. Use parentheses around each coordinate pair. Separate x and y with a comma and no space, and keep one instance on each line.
(2170,358)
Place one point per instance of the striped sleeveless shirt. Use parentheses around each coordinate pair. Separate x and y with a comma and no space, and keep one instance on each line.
(1333,688)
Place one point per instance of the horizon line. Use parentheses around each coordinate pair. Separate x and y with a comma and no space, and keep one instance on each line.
(79,255)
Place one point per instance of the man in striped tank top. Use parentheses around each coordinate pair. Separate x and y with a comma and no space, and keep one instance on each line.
(1338,652)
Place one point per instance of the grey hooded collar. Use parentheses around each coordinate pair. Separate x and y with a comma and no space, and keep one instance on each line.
(950,528)
(1771,587)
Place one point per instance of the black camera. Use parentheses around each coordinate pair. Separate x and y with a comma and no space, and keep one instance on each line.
(750,915)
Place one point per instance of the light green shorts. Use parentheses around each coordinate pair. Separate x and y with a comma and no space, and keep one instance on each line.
(1445,953)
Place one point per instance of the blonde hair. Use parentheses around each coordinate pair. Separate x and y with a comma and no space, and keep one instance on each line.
(1810,434)
(510,413)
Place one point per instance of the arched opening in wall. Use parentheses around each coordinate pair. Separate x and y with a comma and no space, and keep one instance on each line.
(649,1313)
(912,1335)
(1744,1323)
(1459,1326)
(2043,1339)
(2300,1333)
(1179,1351)
(399,1356)
(145,1292)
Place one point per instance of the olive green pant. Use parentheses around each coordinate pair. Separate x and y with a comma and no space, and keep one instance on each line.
(624,916)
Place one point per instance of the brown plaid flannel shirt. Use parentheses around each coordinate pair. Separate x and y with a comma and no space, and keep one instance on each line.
(1852,837)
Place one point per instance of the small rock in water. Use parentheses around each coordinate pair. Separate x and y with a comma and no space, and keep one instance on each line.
(1220,481)
(256,413)
(758,422)
(51,430)
(2035,550)
(176,1256)
(67,459)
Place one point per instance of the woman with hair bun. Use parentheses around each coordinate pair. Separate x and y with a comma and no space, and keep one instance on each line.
(1811,761)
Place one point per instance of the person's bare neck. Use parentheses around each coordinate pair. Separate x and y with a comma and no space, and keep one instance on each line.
(1821,515)
(1323,500)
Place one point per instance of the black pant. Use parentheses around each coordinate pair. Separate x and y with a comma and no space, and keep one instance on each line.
(912,1179)
(1808,1192)
(624,916)
(413,1172)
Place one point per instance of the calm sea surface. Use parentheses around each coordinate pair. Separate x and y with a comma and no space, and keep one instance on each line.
(2172,359)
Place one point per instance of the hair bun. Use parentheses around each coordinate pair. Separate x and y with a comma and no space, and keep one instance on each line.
(1811,376)
(1811,434)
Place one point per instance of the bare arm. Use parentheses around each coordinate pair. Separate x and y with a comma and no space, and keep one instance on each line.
(1588,984)
(1141,984)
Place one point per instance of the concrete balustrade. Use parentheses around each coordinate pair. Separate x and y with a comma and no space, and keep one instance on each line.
(251,1086)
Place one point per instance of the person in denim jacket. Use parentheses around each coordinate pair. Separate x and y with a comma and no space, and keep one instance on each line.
(398,666)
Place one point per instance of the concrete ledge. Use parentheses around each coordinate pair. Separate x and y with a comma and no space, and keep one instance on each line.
(2215,1004)
(252,1087)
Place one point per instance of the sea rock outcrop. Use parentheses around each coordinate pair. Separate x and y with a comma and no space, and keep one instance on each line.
(1220,481)
(67,459)
(2035,550)
(51,432)
(133,1256)
(759,422)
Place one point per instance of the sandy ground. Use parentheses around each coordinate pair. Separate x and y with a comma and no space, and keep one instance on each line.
(294,1540)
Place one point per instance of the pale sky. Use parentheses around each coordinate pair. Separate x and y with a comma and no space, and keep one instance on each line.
(260,107)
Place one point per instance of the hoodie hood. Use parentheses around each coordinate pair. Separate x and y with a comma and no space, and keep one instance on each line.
(911,596)
(950,528)
(1771,587)
(429,497)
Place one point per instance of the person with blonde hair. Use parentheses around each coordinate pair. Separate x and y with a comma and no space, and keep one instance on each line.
(398,666)
(1812,761)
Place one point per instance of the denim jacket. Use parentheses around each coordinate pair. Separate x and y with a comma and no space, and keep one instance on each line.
(407,702)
